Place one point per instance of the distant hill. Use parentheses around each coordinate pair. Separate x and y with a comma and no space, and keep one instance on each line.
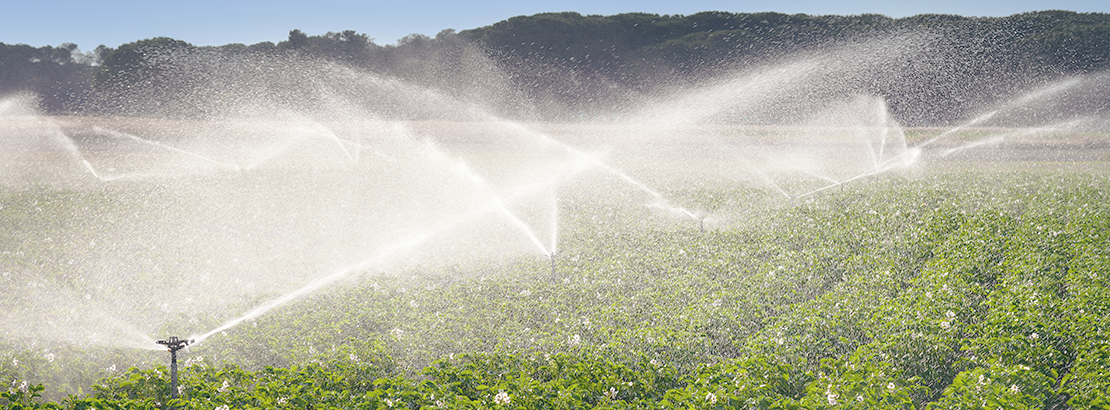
(561,63)
(970,60)
(1066,40)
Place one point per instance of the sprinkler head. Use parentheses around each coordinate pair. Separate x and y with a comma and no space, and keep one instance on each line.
(174,344)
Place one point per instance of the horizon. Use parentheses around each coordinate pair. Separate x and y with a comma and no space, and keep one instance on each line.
(89,25)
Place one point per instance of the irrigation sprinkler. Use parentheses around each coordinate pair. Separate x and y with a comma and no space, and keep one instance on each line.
(174,344)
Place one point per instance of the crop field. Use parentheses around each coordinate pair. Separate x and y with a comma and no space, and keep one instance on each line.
(974,276)
(899,218)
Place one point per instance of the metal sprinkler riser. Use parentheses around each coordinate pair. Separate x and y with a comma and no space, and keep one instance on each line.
(174,344)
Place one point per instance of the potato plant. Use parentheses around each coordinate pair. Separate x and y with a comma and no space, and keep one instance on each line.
(957,290)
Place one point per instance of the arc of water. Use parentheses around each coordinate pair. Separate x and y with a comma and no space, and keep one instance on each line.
(520,224)
(909,155)
(906,157)
(1004,136)
(1028,97)
(412,242)
(554,226)
(871,151)
(479,112)
(341,143)
(884,122)
(660,201)
(988,141)
(72,150)
(92,170)
(119,134)
(977,120)
(826,177)
(775,185)
(882,144)
(461,167)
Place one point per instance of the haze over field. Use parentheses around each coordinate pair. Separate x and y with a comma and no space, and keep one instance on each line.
(931,69)
(565,211)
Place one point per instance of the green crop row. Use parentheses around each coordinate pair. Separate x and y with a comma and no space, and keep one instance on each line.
(947,291)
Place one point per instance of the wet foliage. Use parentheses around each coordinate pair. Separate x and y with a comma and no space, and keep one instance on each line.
(946,290)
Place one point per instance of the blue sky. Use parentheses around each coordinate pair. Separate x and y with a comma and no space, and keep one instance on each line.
(212,22)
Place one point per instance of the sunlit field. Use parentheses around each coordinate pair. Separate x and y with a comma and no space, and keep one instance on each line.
(348,240)
(642,273)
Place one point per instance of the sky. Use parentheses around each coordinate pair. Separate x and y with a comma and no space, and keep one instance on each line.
(217,22)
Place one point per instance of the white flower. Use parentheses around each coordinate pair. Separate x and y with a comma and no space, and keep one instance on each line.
(1015,389)
(711,398)
(831,396)
(1034,336)
(945,325)
(502,398)
(890,386)
(224,407)
(575,340)
(23,386)
(612,393)
(949,314)
(397,332)
(224,387)
(197,361)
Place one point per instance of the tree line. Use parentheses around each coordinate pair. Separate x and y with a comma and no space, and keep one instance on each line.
(563,59)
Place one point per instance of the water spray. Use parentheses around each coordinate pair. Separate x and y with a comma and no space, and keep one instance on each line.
(166,147)
(412,242)
(174,344)
(660,201)
(553,274)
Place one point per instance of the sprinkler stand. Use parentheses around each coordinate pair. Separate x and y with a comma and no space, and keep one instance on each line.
(174,344)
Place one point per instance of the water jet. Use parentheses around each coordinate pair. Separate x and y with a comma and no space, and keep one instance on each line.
(553,274)
(255,205)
